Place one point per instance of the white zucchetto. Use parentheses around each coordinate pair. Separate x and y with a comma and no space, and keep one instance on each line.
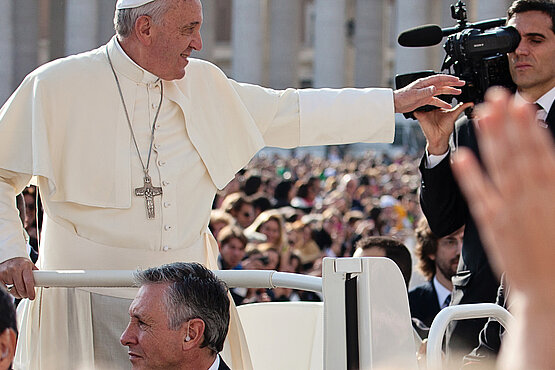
(126,4)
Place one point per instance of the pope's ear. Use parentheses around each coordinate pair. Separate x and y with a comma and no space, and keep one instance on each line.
(143,29)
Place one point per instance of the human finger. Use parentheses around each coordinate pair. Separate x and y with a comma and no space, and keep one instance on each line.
(437,102)
(461,107)
(440,80)
(447,90)
(18,290)
(479,192)
(498,149)
(29,282)
(12,272)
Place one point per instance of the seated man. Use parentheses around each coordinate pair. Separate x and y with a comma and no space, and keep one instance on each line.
(437,260)
(8,330)
(178,320)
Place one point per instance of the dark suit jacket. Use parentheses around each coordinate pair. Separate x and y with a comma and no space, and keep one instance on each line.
(446,211)
(423,303)
(490,336)
(223,365)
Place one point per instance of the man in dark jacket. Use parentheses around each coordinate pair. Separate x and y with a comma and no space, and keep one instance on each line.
(533,71)
(437,260)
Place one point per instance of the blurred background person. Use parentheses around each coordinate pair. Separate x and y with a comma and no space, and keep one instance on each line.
(437,261)
(380,246)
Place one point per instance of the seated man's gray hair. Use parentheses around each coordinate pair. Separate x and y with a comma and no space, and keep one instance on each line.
(194,292)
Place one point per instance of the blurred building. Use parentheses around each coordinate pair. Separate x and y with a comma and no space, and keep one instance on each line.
(275,43)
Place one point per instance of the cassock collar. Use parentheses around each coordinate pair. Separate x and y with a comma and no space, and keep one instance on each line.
(124,65)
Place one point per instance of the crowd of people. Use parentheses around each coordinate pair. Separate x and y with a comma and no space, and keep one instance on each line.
(295,211)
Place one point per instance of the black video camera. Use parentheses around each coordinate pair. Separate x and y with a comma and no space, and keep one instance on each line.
(475,53)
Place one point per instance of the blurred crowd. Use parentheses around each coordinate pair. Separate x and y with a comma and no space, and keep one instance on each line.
(287,213)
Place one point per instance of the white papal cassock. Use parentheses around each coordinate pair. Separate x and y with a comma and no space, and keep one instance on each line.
(66,125)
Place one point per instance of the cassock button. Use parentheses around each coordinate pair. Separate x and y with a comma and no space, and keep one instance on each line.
(165,183)
(161,163)
(154,106)
(165,248)
(156,146)
(167,204)
(167,227)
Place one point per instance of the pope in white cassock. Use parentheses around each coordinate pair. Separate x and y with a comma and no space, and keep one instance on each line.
(129,144)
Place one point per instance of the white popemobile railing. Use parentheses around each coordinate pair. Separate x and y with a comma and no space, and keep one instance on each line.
(365,320)
(124,278)
(460,312)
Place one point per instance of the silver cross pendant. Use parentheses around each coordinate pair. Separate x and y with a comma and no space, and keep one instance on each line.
(149,192)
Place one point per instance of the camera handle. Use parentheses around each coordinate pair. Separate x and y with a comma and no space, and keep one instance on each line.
(458,12)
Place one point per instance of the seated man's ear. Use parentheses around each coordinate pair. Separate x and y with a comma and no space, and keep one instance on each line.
(193,333)
(8,340)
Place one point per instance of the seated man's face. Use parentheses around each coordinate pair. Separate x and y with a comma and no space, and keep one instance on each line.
(7,347)
(152,344)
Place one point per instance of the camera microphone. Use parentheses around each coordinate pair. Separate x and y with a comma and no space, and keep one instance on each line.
(432,34)
(427,35)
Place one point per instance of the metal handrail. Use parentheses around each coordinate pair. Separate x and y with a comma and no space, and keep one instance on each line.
(459,312)
(124,278)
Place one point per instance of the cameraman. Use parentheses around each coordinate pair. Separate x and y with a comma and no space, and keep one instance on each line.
(532,69)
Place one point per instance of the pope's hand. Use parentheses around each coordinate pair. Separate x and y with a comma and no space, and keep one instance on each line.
(424,91)
(17,273)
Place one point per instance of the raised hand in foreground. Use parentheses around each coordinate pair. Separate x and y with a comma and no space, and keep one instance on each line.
(512,199)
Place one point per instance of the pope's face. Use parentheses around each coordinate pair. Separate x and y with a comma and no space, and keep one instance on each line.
(152,344)
(532,64)
(175,38)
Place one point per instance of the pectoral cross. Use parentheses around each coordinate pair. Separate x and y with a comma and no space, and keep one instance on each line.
(149,192)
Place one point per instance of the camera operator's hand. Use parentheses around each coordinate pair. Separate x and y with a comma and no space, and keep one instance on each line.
(437,126)
(424,91)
